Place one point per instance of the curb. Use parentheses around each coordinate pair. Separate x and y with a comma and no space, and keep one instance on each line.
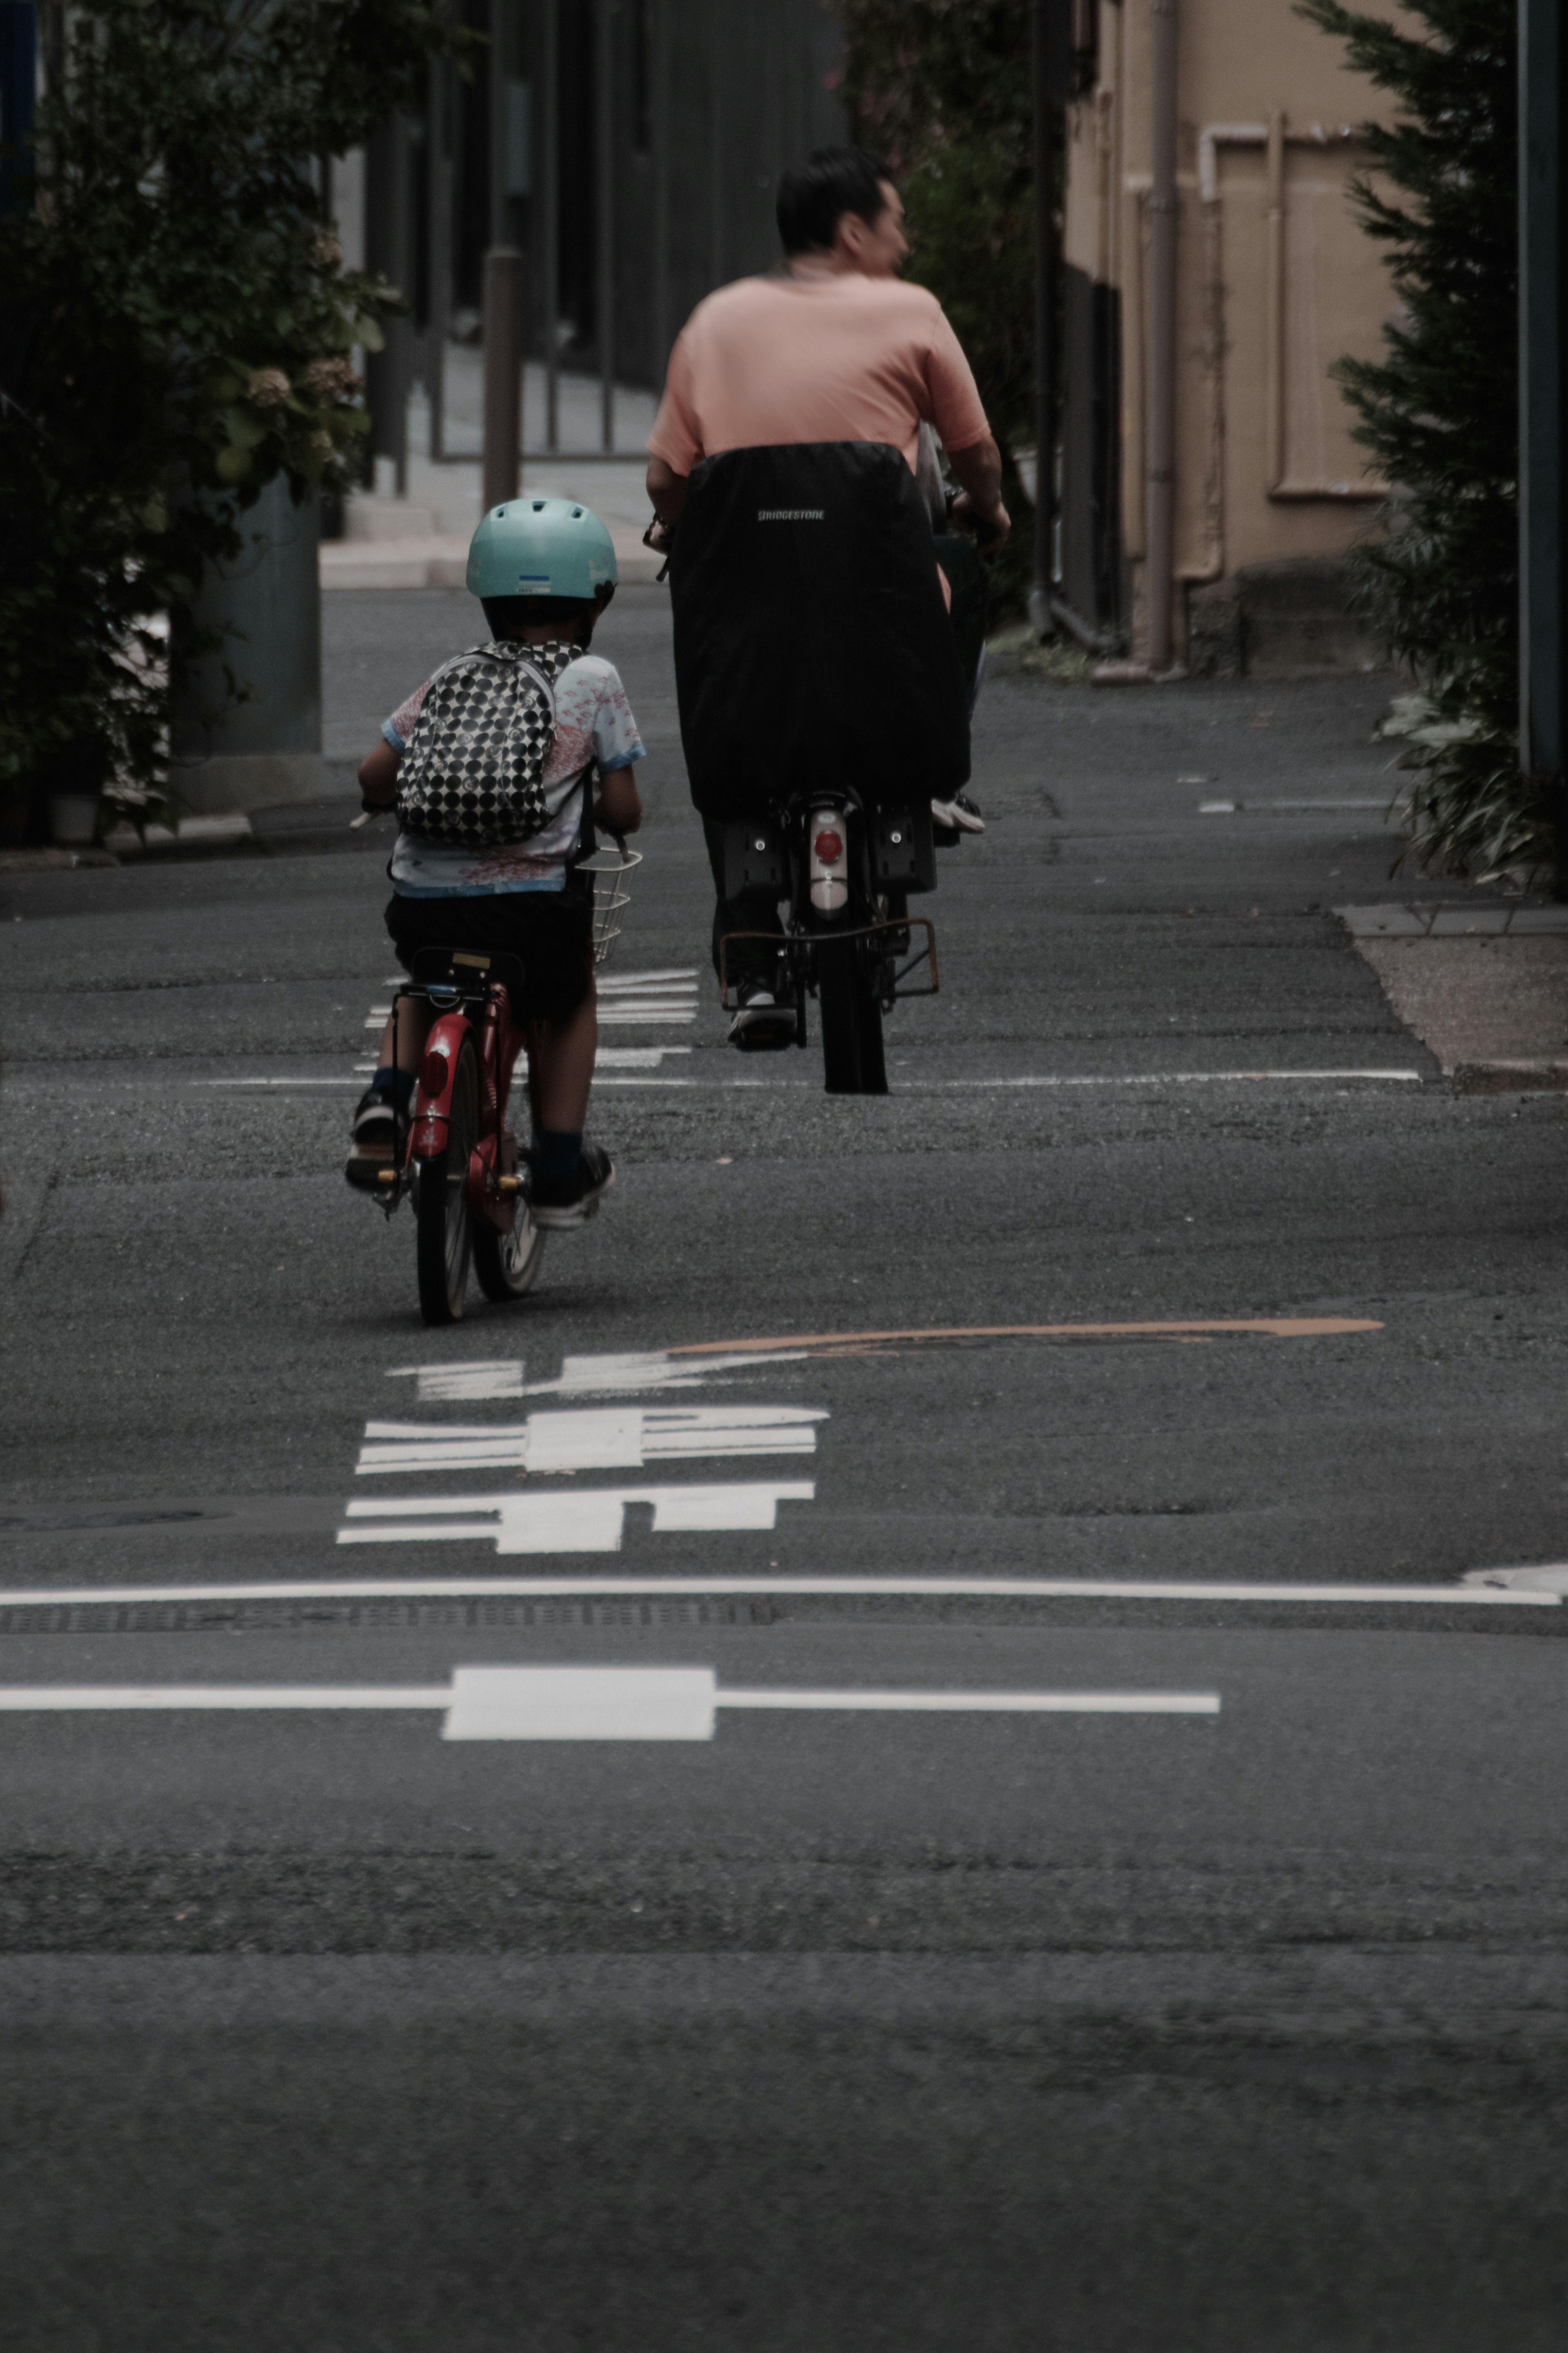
(1508,1078)
(1470,919)
(197,834)
(52,861)
(443,562)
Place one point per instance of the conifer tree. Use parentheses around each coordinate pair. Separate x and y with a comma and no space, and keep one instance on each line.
(1439,414)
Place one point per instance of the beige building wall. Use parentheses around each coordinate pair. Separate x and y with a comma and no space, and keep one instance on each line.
(1275,278)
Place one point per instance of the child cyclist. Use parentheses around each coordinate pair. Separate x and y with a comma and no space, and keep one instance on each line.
(544,570)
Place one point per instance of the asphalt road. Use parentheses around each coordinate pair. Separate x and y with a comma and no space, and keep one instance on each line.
(1208,1994)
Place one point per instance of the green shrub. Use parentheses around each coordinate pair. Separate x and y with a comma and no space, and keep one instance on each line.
(175,329)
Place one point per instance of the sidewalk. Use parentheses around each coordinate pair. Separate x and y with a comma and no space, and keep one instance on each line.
(421,541)
(1484,984)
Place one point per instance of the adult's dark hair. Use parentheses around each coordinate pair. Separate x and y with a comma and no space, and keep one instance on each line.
(815,196)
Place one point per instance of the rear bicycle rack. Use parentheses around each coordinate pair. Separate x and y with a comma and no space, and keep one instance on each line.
(795,948)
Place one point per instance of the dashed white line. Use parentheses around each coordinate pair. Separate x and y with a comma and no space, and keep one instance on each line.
(582,1703)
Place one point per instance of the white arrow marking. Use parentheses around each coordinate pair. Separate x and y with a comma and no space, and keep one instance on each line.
(607,1437)
(581,1703)
(579,1522)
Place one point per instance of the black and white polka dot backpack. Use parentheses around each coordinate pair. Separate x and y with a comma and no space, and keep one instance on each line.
(473,773)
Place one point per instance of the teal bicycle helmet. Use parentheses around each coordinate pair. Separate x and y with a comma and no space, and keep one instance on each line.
(541,547)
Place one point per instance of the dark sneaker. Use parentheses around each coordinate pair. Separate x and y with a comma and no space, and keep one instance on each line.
(761,1024)
(372,1141)
(562,1202)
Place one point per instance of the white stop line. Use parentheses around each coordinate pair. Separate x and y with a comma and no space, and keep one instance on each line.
(580,1703)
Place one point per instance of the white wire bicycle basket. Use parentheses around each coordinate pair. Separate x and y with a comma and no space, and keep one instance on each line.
(611,870)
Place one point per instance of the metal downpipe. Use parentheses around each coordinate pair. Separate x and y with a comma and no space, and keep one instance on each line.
(1162,395)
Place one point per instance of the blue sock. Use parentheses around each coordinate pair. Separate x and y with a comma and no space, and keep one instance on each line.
(559,1153)
(399,1084)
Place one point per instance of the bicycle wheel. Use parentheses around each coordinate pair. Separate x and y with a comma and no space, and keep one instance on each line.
(838,994)
(873,1058)
(507,1264)
(443,1220)
(853,1060)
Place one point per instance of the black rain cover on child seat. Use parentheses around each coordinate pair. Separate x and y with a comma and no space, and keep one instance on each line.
(812,643)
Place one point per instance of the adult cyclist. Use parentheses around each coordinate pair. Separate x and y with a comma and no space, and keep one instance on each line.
(835,347)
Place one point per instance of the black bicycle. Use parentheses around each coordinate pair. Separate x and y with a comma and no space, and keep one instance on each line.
(846,867)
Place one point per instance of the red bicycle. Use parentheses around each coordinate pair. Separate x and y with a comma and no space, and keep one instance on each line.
(453,1154)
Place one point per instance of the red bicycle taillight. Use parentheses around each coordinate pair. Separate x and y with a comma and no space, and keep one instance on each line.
(829,847)
(433,1074)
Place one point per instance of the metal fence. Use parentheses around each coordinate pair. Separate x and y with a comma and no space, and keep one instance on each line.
(630,150)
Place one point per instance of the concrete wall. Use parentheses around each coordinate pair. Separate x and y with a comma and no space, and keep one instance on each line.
(1276,280)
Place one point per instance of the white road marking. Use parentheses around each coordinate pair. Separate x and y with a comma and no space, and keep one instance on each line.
(1178,1079)
(608,1438)
(1291,807)
(589,1521)
(612,1015)
(444,1384)
(72,1698)
(278,1082)
(437,1585)
(1549,1577)
(916,1086)
(652,1369)
(635,1058)
(598,1376)
(616,983)
(583,1702)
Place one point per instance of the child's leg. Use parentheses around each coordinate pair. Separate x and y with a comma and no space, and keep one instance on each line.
(415,1016)
(560,1068)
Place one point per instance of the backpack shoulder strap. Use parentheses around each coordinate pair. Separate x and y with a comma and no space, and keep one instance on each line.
(545,684)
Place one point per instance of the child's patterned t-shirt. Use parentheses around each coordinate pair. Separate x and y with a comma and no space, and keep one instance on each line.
(593,722)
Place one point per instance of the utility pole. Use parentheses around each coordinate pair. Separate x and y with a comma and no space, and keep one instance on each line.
(1542,508)
(18,77)
(501,469)
(1051,70)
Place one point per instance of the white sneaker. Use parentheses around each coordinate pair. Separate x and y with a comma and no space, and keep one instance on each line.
(761,1024)
(959,815)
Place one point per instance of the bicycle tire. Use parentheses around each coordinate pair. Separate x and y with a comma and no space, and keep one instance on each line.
(444,1223)
(837,997)
(873,1055)
(506,1265)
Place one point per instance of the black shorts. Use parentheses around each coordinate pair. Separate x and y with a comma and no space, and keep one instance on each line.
(550,932)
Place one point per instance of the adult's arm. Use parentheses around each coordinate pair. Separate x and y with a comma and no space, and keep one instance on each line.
(978,506)
(667,495)
(378,775)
